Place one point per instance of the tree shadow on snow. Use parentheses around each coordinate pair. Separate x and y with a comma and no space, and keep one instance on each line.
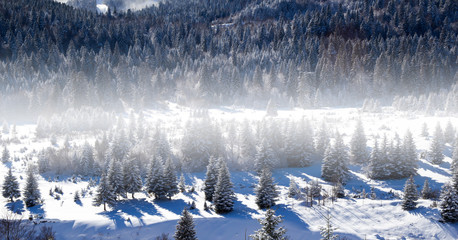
(16,206)
(175,206)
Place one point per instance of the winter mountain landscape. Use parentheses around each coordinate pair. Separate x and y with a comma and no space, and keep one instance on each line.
(228,119)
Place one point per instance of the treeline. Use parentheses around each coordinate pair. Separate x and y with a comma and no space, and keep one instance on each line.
(302,53)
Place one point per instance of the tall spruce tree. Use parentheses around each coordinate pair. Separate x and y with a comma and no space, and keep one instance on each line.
(266,192)
(265,156)
(426,192)
(185,229)
(182,184)
(334,168)
(270,229)
(31,192)
(358,145)
(410,157)
(223,197)
(170,179)
(437,147)
(211,179)
(454,164)
(115,178)
(449,203)
(10,187)
(132,178)
(105,194)
(155,182)
(5,155)
(322,140)
(409,199)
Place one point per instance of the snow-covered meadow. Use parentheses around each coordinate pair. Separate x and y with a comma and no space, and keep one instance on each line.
(145,218)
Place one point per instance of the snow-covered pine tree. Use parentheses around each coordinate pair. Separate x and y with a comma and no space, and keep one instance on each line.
(223,197)
(11,187)
(321,140)
(185,229)
(87,160)
(265,157)
(424,130)
(211,178)
(132,179)
(170,179)
(358,145)
(449,203)
(270,229)
(155,179)
(298,145)
(182,184)
(246,145)
(266,192)
(449,132)
(327,232)
(437,147)
(396,159)
(105,194)
(410,157)
(334,168)
(293,189)
(454,164)
(410,195)
(31,192)
(115,178)
(426,192)
(5,155)
(76,197)
(375,167)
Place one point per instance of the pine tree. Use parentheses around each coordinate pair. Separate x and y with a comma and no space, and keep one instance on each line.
(334,168)
(410,157)
(5,155)
(449,133)
(454,164)
(76,197)
(155,182)
(132,178)
(265,157)
(270,229)
(223,197)
(31,192)
(424,130)
(358,145)
(410,195)
(266,192)
(322,140)
(437,146)
(210,179)
(170,179)
(293,189)
(11,187)
(115,178)
(449,204)
(182,184)
(327,232)
(375,167)
(185,227)
(426,192)
(105,194)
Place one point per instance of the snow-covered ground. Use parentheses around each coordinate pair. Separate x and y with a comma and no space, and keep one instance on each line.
(144,218)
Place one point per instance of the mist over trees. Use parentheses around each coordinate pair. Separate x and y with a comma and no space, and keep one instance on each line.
(300,53)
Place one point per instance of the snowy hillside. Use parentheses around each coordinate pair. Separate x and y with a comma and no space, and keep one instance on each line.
(354,216)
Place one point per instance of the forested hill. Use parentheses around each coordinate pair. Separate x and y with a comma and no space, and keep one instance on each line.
(305,53)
